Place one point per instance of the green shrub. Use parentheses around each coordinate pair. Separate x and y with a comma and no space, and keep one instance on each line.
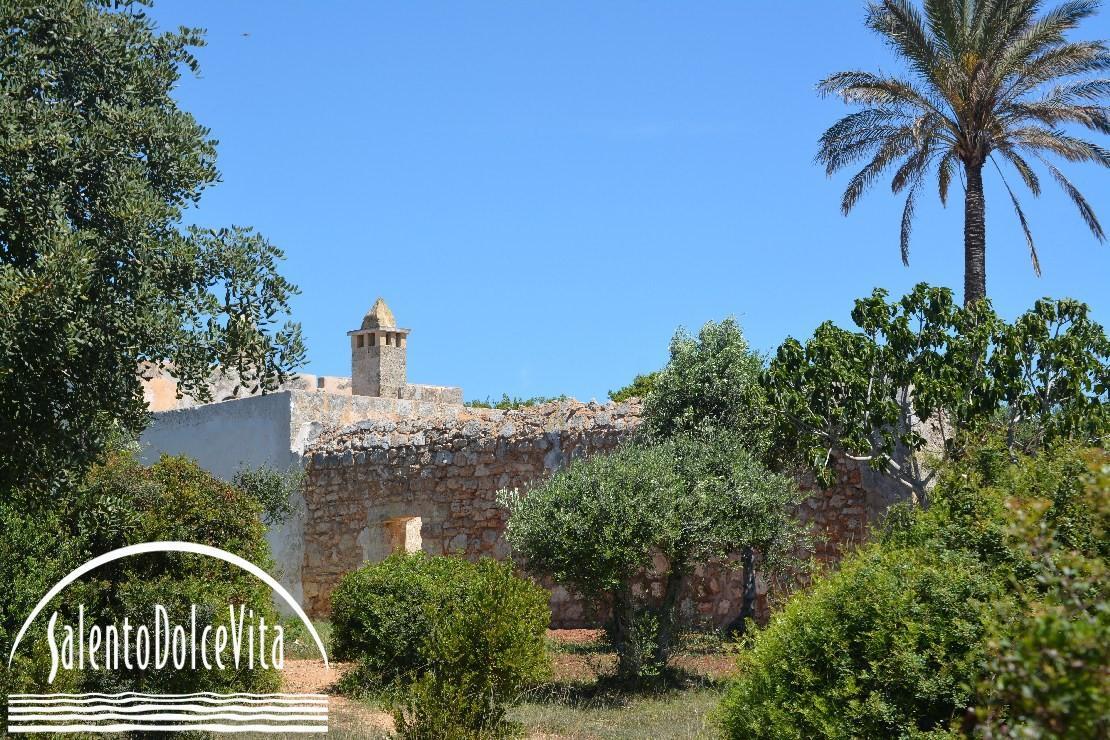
(382,613)
(1049,675)
(485,647)
(273,489)
(121,503)
(455,642)
(885,647)
(513,403)
(987,608)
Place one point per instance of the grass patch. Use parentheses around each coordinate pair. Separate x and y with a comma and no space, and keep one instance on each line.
(662,716)
(580,701)
(299,644)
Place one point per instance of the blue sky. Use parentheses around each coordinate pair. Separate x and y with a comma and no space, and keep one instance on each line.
(544,191)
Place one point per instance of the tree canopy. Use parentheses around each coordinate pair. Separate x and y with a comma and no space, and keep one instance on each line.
(98,277)
(923,372)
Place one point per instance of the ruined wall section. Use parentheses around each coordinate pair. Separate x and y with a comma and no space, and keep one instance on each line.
(445,470)
(370,481)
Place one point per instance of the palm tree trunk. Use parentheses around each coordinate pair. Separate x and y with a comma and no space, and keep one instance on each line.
(975,235)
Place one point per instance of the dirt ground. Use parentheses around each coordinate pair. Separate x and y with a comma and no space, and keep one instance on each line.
(578,658)
(311,677)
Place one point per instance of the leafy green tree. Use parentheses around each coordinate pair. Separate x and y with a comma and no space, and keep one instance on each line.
(97,276)
(923,373)
(711,382)
(597,526)
(640,387)
(991,82)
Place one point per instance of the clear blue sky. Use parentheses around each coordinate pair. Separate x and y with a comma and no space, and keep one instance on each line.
(543,192)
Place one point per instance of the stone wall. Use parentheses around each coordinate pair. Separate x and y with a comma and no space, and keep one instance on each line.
(433,393)
(444,470)
(439,475)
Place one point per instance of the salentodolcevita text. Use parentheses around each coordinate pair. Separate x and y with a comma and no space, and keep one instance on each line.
(243,642)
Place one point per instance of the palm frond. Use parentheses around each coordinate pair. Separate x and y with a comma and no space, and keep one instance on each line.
(1093,90)
(913,168)
(1002,25)
(856,134)
(907,217)
(1066,60)
(1037,35)
(887,154)
(866,88)
(902,25)
(1060,144)
(1093,117)
(1027,174)
(1024,222)
(1067,103)
(944,175)
(947,21)
(1085,210)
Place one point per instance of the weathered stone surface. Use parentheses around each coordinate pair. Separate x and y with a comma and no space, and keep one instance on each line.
(446,469)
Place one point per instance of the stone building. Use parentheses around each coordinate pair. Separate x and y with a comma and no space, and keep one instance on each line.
(396,466)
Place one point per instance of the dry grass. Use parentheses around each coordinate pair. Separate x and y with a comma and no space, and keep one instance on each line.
(669,716)
(576,703)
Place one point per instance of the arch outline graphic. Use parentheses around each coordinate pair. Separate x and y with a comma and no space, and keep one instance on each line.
(170,546)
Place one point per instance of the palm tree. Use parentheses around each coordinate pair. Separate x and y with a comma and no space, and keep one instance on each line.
(992,80)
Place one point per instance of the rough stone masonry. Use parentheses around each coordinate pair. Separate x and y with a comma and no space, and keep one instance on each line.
(392,466)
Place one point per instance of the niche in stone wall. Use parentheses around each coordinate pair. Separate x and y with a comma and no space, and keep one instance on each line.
(402,534)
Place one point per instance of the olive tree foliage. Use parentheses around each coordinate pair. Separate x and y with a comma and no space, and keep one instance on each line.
(923,372)
(97,275)
(711,381)
(272,488)
(713,384)
(597,526)
(640,387)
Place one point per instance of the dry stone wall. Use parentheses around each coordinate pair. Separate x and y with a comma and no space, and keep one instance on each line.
(430,482)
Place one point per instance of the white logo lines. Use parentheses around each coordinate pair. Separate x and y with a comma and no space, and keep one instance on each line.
(203,711)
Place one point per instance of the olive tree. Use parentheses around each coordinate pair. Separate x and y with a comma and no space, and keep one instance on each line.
(711,381)
(597,526)
(98,278)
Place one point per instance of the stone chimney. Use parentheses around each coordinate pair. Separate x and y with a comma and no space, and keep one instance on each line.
(378,351)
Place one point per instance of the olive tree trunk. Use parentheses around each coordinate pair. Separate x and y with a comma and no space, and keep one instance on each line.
(669,616)
(748,595)
(975,235)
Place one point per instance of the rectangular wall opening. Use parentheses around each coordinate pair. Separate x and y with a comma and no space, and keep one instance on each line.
(402,534)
